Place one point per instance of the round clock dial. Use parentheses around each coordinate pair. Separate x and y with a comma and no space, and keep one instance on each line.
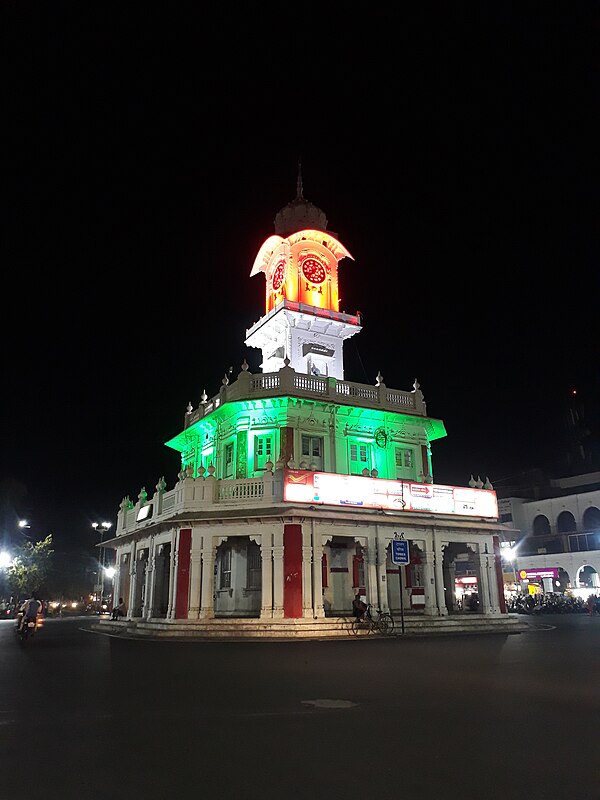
(278,275)
(313,270)
(381,437)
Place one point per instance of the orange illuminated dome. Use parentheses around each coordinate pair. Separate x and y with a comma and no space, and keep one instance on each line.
(300,261)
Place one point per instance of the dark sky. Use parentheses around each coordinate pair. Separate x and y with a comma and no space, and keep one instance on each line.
(146,152)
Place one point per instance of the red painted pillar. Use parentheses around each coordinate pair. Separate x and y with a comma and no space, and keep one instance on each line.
(183,573)
(292,571)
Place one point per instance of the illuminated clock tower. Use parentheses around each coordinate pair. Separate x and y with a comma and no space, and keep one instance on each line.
(302,323)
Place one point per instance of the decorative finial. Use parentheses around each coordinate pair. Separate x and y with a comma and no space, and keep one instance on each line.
(161,485)
(190,408)
(299,194)
(225,380)
(286,361)
(245,365)
(204,397)
(472,482)
(416,385)
(479,483)
(379,379)
(487,484)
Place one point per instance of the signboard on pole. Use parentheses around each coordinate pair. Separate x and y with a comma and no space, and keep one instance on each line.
(400,554)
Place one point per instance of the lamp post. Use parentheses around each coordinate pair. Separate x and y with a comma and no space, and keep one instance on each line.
(103,528)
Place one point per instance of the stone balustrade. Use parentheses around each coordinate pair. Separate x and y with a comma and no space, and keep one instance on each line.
(289,382)
(197,494)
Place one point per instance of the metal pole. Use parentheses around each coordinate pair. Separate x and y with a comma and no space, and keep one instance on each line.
(401,599)
(101,570)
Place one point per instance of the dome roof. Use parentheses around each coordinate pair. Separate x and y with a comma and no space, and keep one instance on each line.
(299,215)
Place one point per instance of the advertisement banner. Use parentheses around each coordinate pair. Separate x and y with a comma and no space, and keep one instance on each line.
(538,574)
(303,486)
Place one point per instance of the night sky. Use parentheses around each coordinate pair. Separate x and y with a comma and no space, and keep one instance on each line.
(145,154)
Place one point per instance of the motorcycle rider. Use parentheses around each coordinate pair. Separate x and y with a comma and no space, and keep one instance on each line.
(29,610)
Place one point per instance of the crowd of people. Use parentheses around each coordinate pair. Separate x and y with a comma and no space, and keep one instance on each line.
(553,603)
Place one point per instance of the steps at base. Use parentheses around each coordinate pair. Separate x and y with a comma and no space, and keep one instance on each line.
(298,629)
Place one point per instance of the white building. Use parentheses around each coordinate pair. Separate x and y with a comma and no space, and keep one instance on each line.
(294,481)
(558,536)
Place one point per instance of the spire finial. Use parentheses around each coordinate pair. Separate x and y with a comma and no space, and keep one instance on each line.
(299,193)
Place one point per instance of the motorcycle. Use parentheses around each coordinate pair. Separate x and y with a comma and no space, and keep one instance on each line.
(29,628)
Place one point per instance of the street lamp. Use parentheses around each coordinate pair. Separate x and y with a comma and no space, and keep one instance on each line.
(103,528)
(5,560)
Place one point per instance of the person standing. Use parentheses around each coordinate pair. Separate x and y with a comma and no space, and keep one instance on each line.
(591,604)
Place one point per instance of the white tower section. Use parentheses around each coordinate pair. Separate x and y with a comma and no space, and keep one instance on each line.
(303,322)
(311,338)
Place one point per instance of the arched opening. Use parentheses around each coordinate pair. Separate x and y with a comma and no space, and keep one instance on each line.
(565,522)
(587,578)
(541,526)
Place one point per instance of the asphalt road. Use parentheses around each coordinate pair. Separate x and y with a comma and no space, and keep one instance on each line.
(487,716)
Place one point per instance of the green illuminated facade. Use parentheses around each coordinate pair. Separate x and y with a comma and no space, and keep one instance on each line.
(236,439)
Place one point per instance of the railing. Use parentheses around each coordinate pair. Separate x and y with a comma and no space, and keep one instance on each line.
(241,490)
(288,381)
(197,494)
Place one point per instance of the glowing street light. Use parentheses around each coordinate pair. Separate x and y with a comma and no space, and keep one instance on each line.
(5,560)
(103,527)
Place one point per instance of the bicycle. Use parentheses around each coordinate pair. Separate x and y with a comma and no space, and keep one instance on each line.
(382,623)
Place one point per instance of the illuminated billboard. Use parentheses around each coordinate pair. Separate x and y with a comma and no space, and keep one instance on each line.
(353,491)
(538,574)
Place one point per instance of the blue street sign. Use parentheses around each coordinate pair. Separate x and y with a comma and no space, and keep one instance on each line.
(400,554)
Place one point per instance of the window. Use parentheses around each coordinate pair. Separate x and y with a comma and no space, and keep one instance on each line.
(228,460)
(404,458)
(225,577)
(312,451)
(254,567)
(360,458)
(263,447)
(312,446)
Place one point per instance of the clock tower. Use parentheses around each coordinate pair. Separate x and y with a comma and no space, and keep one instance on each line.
(302,322)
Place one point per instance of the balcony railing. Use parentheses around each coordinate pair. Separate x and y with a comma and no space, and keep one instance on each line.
(192,495)
(289,382)
(571,542)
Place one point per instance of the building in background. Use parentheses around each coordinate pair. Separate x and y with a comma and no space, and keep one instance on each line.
(556,547)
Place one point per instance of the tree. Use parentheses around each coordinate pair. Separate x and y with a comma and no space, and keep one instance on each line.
(30,567)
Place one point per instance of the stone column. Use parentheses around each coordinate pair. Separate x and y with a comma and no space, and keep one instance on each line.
(266,556)
(439,578)
(130,600)
(486,600)
(381,569)
(317,574)
(207,602)
(195,575)
(173,575)
(374,591)
(278,575)
(149,589)
(307,595)
(116,581)
(429,582)
(493,583)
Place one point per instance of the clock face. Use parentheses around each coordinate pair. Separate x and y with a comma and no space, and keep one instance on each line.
(278,275)
(381,437)
(313,270)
